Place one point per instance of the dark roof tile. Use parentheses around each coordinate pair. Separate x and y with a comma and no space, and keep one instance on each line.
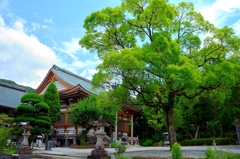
(10,96)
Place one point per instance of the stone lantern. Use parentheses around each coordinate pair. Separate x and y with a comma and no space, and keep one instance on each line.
(99,152)
(24,147)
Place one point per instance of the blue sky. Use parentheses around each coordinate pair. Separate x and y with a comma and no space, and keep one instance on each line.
(34,35)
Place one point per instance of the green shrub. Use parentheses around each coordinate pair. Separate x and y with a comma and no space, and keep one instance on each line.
(176,151)
(119,148)
(4,135)
(210,153)
(3,143)
(23,108)
(33,97)
(157,137)
(44,118)
(147,142)
(219,154)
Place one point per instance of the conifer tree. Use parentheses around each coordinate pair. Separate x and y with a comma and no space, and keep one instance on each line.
(51,97)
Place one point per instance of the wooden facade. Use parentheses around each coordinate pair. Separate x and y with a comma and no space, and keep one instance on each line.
(73,88)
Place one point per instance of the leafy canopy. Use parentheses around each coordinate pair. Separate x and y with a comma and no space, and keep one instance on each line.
(160,53)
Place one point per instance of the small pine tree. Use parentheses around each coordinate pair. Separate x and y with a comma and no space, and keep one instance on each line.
(34,110)
(176,151)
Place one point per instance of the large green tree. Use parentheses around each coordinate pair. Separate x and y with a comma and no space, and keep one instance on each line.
(87,111)
(161,54)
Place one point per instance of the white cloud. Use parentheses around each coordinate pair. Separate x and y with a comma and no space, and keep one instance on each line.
(2,23)
(35,26)
(92,71)
(72,48)
(236,27)
(48,21)
(19,25)
(4,4)
(79,64)
(24,58)
(44,26)
(218,12)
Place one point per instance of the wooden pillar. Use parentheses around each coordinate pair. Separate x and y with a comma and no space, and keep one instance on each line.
(115,133)
(132,129)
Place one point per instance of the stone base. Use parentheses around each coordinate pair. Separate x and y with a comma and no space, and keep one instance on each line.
(98,157)
(24,150)
(100,152)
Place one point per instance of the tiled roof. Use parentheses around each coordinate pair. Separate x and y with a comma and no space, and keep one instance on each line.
(74,79)
(10,96)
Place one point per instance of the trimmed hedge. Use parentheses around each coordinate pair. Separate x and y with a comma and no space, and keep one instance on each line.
(44,118)
(42,105)
(207,141)
(31,97)
(24,119)
(23,108)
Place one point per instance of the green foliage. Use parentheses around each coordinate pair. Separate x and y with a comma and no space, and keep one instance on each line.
(156,119)
(176,151)
(6,125)
(210,153)
(51,97)
(123,157)
(151,50)
(6,128)
(25,108)
(207,141)
(119,148)
(9,151)
(23,118)
(46,118)
(147,142)
(4,135)
(157,137)
(196,116)
(31,98)
(219,154)
(34,110)
(86,111)
(5,120)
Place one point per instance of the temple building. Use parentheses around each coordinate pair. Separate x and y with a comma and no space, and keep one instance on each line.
(10,98)
(72,88)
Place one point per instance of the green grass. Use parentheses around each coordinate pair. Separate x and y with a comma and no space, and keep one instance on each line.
(9,152)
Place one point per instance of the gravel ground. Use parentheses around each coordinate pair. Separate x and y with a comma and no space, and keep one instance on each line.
(165,153)
(188,151)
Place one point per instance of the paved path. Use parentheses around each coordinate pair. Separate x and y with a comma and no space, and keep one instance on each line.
(191,151)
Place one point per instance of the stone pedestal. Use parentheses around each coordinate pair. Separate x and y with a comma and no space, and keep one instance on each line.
(25,139)
(24,150)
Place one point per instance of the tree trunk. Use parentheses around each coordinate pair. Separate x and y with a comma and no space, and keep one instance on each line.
(221,130)
(84,133)
(189,134)
(197,132)
(170,124)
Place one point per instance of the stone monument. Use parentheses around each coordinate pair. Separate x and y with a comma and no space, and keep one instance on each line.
(99,152)
(24,147)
